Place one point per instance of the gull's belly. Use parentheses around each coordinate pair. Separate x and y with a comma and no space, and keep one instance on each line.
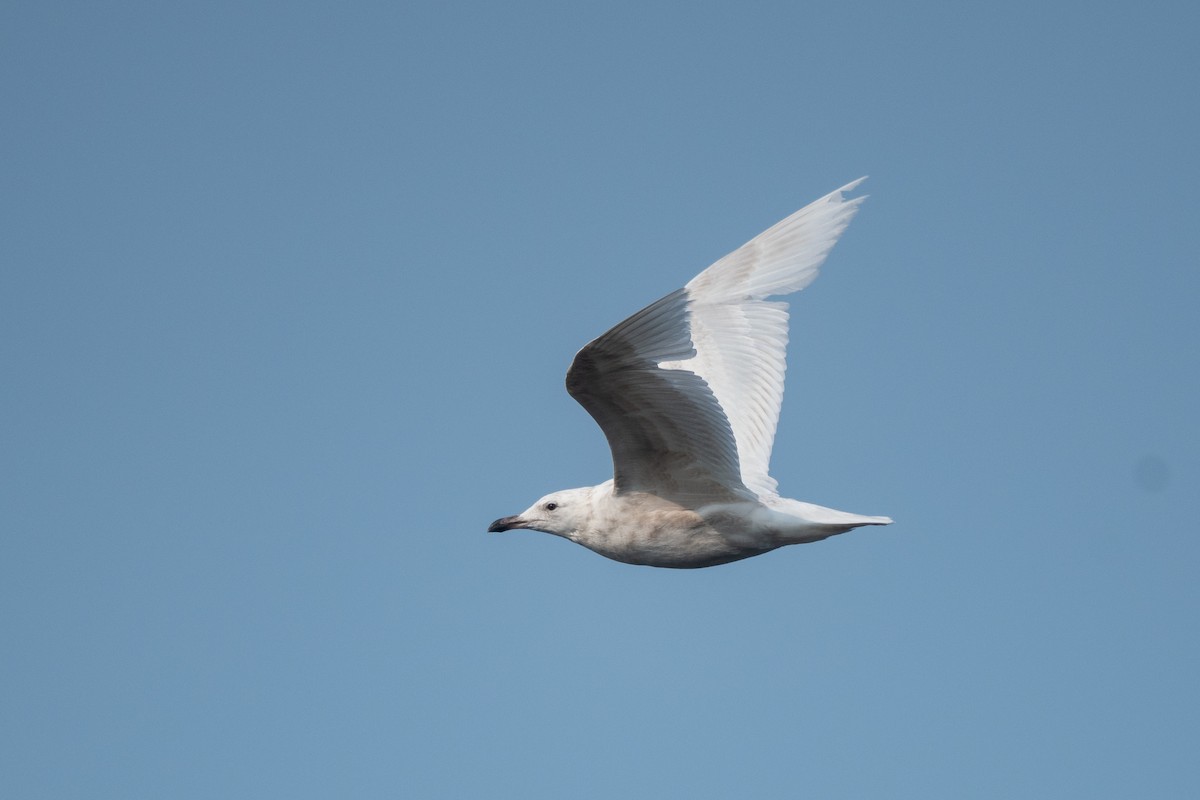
(650,531)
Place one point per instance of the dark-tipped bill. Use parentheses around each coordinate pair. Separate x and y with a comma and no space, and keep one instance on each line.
(505,524)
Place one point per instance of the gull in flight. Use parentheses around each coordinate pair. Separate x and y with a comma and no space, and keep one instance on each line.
(687,392)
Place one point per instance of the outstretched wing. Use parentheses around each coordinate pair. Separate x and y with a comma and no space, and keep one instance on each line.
(667,431)
(688,390)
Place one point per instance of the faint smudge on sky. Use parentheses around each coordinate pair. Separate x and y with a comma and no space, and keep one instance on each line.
(1152,473)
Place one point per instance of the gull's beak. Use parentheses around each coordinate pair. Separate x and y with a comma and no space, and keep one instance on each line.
(506,524)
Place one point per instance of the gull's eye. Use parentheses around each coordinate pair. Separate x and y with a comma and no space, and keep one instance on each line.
(551,506)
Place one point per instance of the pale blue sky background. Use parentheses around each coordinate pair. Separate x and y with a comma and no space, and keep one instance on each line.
(287,295)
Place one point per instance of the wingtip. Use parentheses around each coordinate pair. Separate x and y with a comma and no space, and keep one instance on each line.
(854,184)
(839,194)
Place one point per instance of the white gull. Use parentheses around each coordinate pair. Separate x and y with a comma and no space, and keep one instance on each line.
(687,392)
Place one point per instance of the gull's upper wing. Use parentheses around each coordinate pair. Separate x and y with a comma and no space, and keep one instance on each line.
(688,390)
(667,430)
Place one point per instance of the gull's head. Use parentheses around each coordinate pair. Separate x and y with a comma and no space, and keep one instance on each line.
(561,513)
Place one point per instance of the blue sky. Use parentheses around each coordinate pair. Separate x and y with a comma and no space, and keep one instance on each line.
(287,295)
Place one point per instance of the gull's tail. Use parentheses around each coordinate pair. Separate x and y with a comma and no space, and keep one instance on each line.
(814,522)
